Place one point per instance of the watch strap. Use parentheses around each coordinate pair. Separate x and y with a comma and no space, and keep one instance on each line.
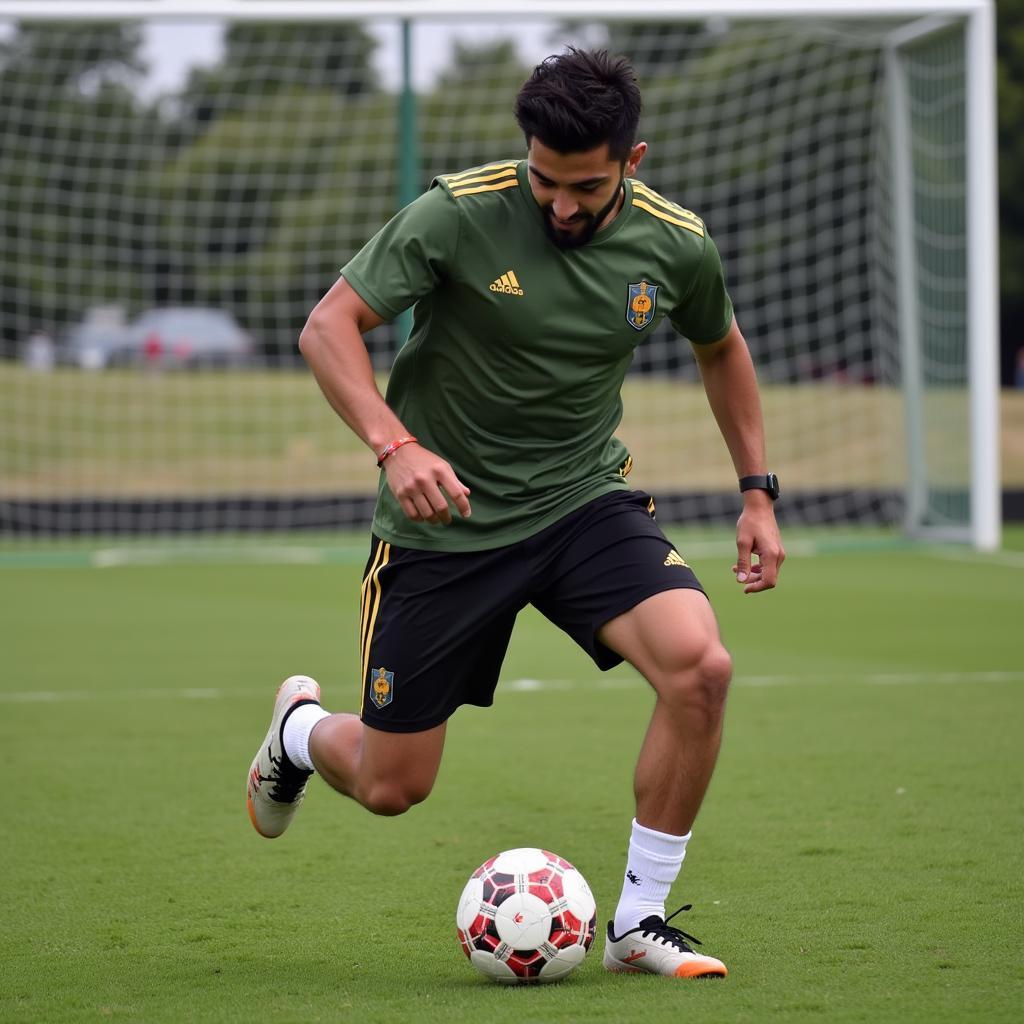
(763,482)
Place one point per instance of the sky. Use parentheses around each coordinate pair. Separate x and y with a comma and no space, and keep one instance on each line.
(171,48)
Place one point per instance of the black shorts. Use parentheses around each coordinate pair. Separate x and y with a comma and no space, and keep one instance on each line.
(435,626)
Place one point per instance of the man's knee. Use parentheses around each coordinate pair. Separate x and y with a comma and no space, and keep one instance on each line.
(700,680)
(389,798)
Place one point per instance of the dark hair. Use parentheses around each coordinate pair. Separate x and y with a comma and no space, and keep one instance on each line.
(577,100)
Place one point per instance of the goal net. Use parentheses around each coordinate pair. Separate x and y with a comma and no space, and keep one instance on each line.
(179,191)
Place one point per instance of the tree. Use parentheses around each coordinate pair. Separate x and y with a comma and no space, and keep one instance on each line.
(66,92)
(44,61)
(263,59)
(260,204)
(489,69)
(258,213)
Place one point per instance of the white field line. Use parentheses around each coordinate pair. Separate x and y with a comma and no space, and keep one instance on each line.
(1007,559)
(62,696)
(297,554)
(112,558)
(872,679)
(118,557)
(529,686)
(105,558)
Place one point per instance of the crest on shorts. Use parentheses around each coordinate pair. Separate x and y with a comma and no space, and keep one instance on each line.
(640,304)
(382,687)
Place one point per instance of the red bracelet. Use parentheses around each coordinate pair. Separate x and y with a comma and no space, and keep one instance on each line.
(392,448)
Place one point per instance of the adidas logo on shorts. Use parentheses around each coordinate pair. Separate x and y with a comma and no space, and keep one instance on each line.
(674,558)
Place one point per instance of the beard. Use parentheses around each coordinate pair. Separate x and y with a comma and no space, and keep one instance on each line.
(590,221)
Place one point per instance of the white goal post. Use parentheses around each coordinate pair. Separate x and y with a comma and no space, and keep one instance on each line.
(842,153)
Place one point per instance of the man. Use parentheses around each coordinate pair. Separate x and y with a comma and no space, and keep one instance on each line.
(532,283)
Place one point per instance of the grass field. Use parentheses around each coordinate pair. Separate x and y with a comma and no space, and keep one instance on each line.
(858,857)
(125,433)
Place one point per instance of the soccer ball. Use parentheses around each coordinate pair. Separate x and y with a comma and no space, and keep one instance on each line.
(526,916)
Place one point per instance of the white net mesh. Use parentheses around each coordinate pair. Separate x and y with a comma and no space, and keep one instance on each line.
(243,188)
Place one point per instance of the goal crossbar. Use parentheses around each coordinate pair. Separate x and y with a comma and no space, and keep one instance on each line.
(330,10)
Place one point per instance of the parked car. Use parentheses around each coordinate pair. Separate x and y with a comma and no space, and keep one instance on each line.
(182,336)
(89,344)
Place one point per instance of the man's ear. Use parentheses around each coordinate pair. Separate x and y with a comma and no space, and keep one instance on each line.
(636,154)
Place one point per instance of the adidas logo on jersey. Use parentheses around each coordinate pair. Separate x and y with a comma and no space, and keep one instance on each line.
(507,284)
(674,558)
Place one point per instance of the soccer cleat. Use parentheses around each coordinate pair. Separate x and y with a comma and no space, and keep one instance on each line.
(275,786)
(657,948)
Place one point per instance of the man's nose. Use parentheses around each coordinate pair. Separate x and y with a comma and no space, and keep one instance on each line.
(565,207)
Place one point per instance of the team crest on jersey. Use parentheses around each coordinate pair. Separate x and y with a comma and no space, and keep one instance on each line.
(382,687)
(640,304)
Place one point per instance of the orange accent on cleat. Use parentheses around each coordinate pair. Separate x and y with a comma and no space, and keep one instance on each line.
(252,813)
(697,969)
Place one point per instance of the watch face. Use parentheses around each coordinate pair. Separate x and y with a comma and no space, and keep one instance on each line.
(773,486)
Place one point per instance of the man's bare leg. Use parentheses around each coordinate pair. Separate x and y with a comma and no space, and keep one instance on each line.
(672,639)
(386,772)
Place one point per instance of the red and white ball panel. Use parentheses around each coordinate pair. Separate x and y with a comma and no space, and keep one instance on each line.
(469,904)
(579,900)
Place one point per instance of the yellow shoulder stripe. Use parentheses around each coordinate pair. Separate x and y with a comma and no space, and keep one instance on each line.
(674,208)
(480,177)
(497,186)
(663,215)
(486,169)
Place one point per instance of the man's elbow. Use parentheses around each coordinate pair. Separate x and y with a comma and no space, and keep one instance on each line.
(311,335)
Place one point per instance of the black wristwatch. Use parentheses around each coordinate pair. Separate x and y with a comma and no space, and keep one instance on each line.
(769,482)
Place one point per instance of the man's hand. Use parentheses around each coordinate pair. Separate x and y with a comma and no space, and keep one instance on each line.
(423,483)
(757,533)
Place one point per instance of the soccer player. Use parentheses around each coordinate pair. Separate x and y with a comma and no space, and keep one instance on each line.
(532,282)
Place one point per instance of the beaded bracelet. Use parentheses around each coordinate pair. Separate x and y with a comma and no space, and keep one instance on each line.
(392,448)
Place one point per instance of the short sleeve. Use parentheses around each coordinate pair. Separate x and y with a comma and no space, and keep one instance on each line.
(705,314)
(409,256)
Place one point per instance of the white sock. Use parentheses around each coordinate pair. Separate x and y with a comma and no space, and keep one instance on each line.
(652,866)
(295,735)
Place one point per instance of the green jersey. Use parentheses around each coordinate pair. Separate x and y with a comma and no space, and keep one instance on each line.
(514,366)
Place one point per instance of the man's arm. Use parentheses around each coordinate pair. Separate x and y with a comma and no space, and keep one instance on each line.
(731,386)
(332,343)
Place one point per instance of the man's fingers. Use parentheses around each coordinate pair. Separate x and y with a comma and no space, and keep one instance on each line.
(423,507)
(458,492)
(410,510)
(764,573)
(754,570)
(439,503)
(757,537)
(429,503)
(771,562)
(742,566)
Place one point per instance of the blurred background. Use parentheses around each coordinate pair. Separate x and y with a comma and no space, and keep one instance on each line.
(178,195)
